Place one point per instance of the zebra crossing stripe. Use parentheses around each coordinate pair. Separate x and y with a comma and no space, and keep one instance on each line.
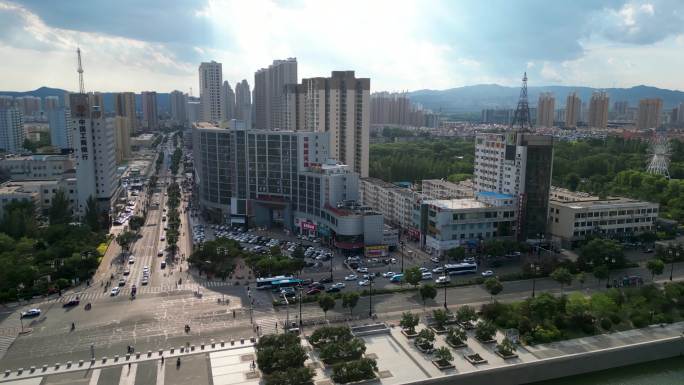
(5,343)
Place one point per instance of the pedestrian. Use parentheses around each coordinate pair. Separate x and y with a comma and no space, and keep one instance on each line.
(233,313)
(162,360)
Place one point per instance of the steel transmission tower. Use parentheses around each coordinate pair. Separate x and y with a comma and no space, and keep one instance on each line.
(521,120)
(81,86)
(660,156)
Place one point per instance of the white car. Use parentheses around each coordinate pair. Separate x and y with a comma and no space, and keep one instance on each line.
(35,312)
(144,281)
(424,269)
(487,273)
(115,291)
(434,259)
(426,275)
(131,259)
(438,270)
(362,270)
(350,277)
(443,279)
(160,253)
(339,285)
(365,282)
(388,274)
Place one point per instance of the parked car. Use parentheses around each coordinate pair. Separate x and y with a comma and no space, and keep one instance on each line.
(438,269)
(435,259)
(325,280)
(487,273)
(364,282)
(424,269)
(362,270)
(443,279)
(350,277)
(388,274)
(313,291)
(426,275)
(339,285)
(332,289)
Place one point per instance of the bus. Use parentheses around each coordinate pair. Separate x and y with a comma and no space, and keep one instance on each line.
(397,278)
(461,268)
(267,282)
(287,282)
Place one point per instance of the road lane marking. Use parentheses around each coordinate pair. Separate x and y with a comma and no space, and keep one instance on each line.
(94,377)
(160,373)
(128,374)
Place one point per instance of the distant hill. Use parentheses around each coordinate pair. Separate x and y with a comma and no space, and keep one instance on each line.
(162,98)
(478,97)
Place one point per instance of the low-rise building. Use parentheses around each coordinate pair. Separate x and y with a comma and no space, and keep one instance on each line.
(443,189)
(12,193)
(449,223)
(43,191)
(565,195)
(574,220)
(394,202)
(37,167)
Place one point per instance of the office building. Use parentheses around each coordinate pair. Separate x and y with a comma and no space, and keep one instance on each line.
(243,102)
(95,156)
(338,105)
(449,223)
(124,105)
(680,113)
(59,121)
(497,116)
(122,134)
(573,110)
(178,106)
(228,100)
(649,113)
(150,112)
(269,93)
(32,167)
(14,193)
(443,189)
(50,103)
(598,110)
(575,220)
(517,164)
(11,130)
(211,80)
(546,109)
(284,179)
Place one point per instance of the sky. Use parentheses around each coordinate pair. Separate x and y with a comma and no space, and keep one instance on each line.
(136,45)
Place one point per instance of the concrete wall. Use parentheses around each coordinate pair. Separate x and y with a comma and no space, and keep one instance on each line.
(570,365)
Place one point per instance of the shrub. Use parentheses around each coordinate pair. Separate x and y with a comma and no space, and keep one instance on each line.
(290,376)
(465,314)
(615,318)
(606,324)
(330,334)
(545,333)
(443,355)
(639,319)
(425,339)
(278,352)
(485,331)
(456,336)
(506,347)
(352,371)
(342,351)
(409,322)
(441,317)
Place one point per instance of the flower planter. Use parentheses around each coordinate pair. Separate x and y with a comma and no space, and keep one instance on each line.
(506,357)
(423,350)
(439,331)
(468,325)
(474,359)
(408,335)
(459,346)
(359,382)
(491,341)
(443,365)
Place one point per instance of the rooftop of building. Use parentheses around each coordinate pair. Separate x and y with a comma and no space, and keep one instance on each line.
(601,203)
(37,157)
(347,208)
(456,204)
(464,183)
(13,188)
(494,195)
(144,137)
(577,194)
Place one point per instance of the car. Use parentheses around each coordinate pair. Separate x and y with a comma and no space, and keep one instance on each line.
(362,270)
(488,273)
(163,264)
(424,269)
(115,291)
(313,291)
(426,275)
(469,260)
(72,303)
(131,259)
(648,251)
(122,282)
(35,312)
(160,253)
(435,259)
(146,268)
(340,285)
(332,289)
(144,281)
(393,260)
(163,238)
(126,272)
(443,279)
(364,282)
(350,277)
(397,278)
(325,280)
(438,269)
(388,274)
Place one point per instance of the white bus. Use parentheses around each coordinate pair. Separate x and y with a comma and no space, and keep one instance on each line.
(461,268)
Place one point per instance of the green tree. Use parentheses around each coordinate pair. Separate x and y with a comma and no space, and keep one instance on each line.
(59,212)
(326,302)
(125,239)
(581,277)
(457,336)
(408,322)
(441,317)
(493,286)
(506,347)
(598,251)
(349,300)
(413,275)
(457,253)
(136,222)
(562,276)
(443,355)
(427,291)
(92,216)
(278,352)
(290,376)
(465,313)
(600,272)
(656,267)
(298,252)
(485,331)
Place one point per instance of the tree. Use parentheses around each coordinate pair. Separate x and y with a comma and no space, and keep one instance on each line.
(598,250)
(290,376)
(326,302)
(600,272)
(409,322)
(581,277)
(655,266)
(457,253)
(413,276)
(136,222)
(125,239)
(91,216)
(506,347)
(425,339)
(298,252)
(456,336)
(562,276)
(493,286)
(278,352)
(443,355)
(427,292)
(485,331)
(59,212)
(441,317)
(349,300)
(465,314)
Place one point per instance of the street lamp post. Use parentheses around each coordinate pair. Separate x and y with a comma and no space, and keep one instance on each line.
(331,267)
(300,308)
(535,269)
(403,246)
(444,273)
(370,297)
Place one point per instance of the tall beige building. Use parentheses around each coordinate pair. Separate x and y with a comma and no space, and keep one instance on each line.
(546,109)
(573,108)
(124,105)
(269,92)
(339,105)
(211,80)
(649,113)
(122,135)
(96,99)
(150,110)
(598,109)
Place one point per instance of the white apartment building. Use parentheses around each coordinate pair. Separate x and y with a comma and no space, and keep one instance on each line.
(211,80)
(394,202)
(34,167)
(11,130)
(42,192)
(564,195)
(59,121)
(95,155)
(614,217)
(443,189)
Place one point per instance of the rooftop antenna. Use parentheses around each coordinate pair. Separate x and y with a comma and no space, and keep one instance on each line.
(521,120)
(81,87)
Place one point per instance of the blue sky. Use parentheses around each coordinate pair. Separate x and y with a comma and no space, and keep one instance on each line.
(401,45)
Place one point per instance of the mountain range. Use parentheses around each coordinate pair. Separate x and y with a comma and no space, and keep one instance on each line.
(482,96)
(461,99)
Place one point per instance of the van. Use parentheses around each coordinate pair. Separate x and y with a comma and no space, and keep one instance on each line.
(397,278)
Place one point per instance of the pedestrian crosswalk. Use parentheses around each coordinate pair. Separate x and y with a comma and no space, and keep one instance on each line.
(94,294)
(5,343)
